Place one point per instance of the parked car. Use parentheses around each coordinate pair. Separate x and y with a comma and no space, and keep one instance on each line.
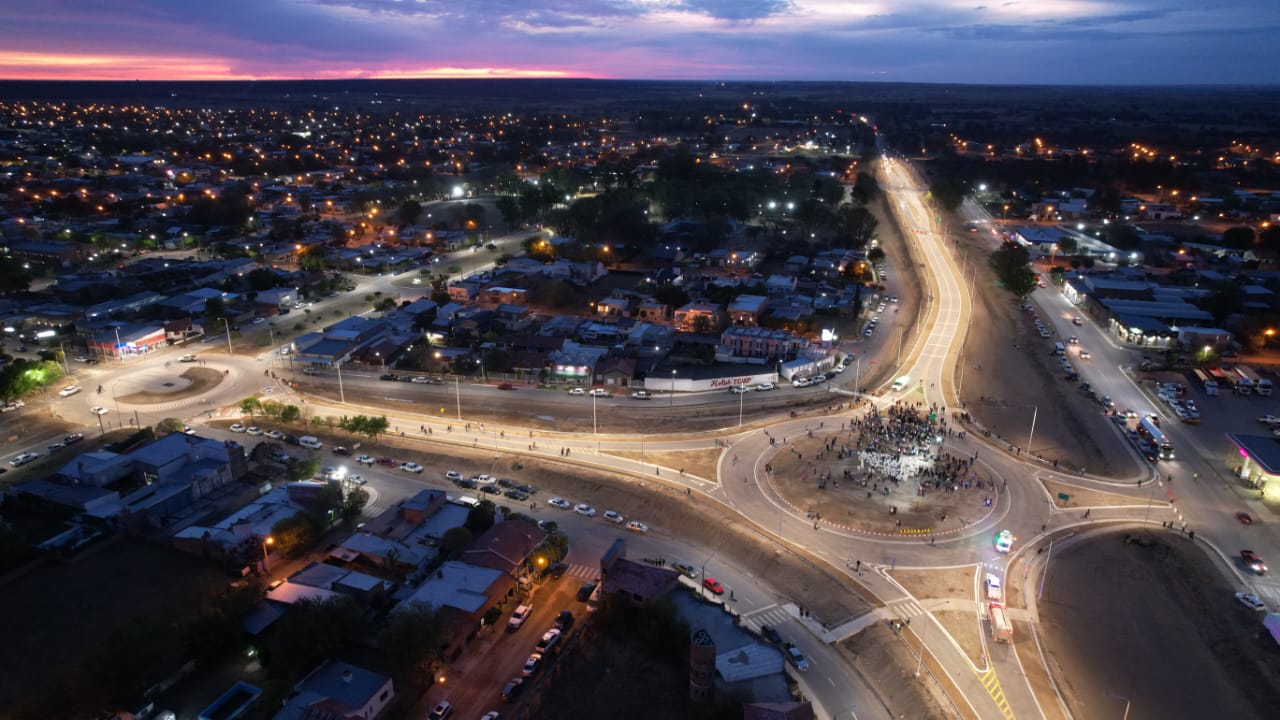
(559,503)
(584,509)
(599,392)
(442,711)
(98,410)
(511,690)
(412,467)
(1251,601)
(739,389)
(564,620)
(577,391)
(796,658)
(365,460)
(770,633)
(236,428)
(765,387)
(518,616)
(341,450)
(531,664)
(1244,518)
(549,640)
(713,585)
(686,569)
(252,430)
(641,395)
(613,517)
(453,476)
(73,438)
(584,592)
(69,390)
(638,527)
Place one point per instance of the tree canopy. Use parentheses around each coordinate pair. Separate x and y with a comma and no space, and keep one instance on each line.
(1010,263)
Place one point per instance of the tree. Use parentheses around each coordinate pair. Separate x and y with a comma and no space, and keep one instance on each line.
(250,405)
(353,504)
(304,469)
(948,193)
(312,258)
(865,188)
(262,279)
(214,308)
(410,211)
(290,413)
(875,255)
(1224,299)
(1067,245)
(454,540)
(313,631)
(1240,237)
(168,426)
(296,534)
(1010,264)
(857,224)
(14,278)
(480,517)
(413,639)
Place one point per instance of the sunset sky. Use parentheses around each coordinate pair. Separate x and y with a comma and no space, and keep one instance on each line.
(1023,41)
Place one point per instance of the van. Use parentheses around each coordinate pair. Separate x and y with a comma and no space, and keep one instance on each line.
(308,441)
(901,383)
(1059,349)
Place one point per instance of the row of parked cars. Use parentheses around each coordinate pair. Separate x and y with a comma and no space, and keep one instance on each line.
(490,485)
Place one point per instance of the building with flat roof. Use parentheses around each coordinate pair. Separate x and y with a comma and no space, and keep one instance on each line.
(339,691)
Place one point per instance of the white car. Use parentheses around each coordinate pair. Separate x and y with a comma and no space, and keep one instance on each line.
(236,428)
(412,467)
(641,395)
(1004,541)
(1268,419)
(253,430)
(420,380)
(739,389)
(69,390)
(577,391)
(638,527)
(584,509)
(1251,601)
(613,517)
(24,458)
(801,382)
(560,503)
(765,387)
(98,410)
(366,460)
(453,476)
(274,434)
(599,392)
(519,616)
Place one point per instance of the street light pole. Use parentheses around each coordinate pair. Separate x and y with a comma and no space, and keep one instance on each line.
(1045,573)
(594,428)
(342,394)
(266,560)
(740,397)
(457,394)
(671,399)
(228,326)
(1126,703)
(1032,435)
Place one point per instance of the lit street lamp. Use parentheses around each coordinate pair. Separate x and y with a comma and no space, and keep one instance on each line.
(671,400)
(268,541)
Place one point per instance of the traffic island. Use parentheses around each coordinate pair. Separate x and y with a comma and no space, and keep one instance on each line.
(160,386)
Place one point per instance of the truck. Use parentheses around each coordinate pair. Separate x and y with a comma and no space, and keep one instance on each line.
(1255,381)
(1240,384)
(1001,627)
(1207,381)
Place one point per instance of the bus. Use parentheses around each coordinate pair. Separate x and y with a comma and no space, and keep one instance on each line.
(1148,431)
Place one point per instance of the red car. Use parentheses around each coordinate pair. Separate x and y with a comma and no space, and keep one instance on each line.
(713,585)
(1244,518)
(389,462)
(506,386)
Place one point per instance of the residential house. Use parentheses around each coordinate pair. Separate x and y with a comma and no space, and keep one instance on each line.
(614,372)
(780,286)
(650,310)
(339,691)
(462,593)
(699,316)
(758,345)
(746,310)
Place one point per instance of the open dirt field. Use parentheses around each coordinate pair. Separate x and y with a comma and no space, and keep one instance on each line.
(194,381)
(1088,497)
(954,582)
(964,628)
(882,658)
(1002,343)
(59,612)
(698,463)
(1157,625)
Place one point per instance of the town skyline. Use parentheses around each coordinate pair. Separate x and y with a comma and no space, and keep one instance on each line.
(1082,42)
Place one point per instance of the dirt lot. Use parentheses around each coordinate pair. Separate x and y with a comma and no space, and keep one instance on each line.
(954,582)
(965,630)
(1157,625)
(797,466)
(698,463)
(1002,343)
(889,667)
(1088,497)
(197,380)
(59,612)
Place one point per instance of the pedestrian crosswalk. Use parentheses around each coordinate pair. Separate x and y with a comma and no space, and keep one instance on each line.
(774,615)
(904,608)
(586,572)
(1268,593)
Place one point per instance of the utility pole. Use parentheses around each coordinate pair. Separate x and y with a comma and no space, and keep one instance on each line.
(342,394)
(1032,435)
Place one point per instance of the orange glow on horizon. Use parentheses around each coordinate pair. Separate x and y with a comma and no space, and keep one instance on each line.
(47,66)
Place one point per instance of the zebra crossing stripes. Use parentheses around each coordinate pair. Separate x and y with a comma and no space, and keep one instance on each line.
(586,572)
(992,685)
(904,608)
(1268,593)
(774,616)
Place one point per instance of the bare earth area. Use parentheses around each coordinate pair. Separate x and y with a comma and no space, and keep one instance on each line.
(1157,625)
(964,628)
(889,667)
(956,582)
(1002,343)
(194,381)
(1083,497)
(698,463)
